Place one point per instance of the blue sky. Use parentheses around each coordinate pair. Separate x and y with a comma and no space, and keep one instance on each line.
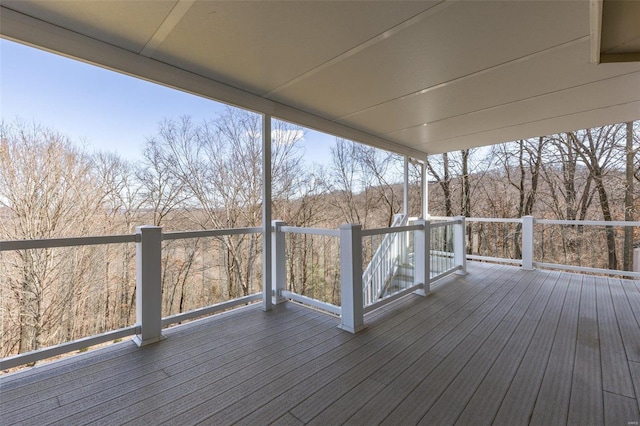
(105,110)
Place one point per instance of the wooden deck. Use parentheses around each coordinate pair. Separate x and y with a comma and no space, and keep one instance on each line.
(500,346)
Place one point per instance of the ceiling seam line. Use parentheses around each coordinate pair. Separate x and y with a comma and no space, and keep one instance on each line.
(364,45)
(479,111)
(529,122)
(468,76)
(630,42)
(172,19)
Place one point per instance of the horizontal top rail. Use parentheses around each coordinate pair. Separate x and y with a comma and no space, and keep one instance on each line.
(441,224)
(181,235)
(66,242)
(311,231)
(439,217)
(587,222)
(495,220)
(556,221)
(392,230)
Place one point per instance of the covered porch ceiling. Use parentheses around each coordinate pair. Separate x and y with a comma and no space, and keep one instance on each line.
(414,77)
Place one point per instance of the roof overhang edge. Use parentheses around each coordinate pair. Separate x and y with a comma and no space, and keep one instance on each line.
(25,29)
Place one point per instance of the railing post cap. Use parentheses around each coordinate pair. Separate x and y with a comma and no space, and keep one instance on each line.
(144,227)
(277,224)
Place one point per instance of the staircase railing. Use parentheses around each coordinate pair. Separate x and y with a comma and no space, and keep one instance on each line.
(384,263)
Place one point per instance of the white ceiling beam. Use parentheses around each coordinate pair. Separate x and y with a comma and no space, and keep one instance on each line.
(169,23)
(466,77)
(43,35)
(515,103)
(595,30)
(372,41)
(594,117)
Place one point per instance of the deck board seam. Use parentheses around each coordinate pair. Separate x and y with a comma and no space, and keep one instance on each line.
(575,350)
(554,326)
(520,289)
(515,325)
(135,352)
(388,328)
(330,334)
(554,279)
(566,316)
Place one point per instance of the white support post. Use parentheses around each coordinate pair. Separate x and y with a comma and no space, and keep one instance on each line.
(527,243)
(425,190)
(460,246)
(352,318)
(267,284)
(279,273)
(422,257)
(148,285)
(405,188)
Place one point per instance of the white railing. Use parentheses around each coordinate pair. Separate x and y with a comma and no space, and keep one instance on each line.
(285,271)
(149,321)
(217,307)
(398,252)
(33,356)
(430,261)
(355,299)
(522,231)
(447,247)
(347,258)
(385,261)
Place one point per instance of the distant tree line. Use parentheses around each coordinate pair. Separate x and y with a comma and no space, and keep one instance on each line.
(190,176)
(589,174)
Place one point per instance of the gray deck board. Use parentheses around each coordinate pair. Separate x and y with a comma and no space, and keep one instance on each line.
(616,377)
(635,376)
(305,382)
(626,320)
(632,292)
(428,332)
(499,345)
(489,395)
(620,410)
(137,366)
(516,405)
(552,402)
(586,402)
(306,385)
(503,347)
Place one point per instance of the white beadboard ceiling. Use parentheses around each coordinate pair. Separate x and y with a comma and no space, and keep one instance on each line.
(414,77)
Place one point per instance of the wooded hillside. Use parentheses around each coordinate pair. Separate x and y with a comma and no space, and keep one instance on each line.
(207,175)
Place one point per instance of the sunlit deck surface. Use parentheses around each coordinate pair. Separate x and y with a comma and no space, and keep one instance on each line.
(499,345)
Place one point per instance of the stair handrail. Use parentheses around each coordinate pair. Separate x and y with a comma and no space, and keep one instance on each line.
(382,266)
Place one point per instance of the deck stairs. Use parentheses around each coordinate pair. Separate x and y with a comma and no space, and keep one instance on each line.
(391,267)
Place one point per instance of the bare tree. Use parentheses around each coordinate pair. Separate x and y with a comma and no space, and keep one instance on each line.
(346,183)
(219,163)
(598,150)
(629,208)
(161,190)
(123,200)
(363,179)
(441,170)
(46,191)
(526,160)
